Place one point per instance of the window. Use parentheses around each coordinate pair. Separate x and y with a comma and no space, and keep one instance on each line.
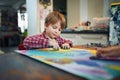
(22,21)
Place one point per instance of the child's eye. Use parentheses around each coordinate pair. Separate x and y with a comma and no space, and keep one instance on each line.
(60,29)
(54,27)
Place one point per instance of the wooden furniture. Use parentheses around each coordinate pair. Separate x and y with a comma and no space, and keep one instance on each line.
(86,37)
(17,67)
(7,35)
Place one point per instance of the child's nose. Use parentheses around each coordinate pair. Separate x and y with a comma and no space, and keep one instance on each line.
(56,30)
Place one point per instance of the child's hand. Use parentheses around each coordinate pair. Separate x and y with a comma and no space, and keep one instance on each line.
(65,46)
(54,45)
(110,51)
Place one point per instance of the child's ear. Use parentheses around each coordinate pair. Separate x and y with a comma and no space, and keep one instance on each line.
(45,26)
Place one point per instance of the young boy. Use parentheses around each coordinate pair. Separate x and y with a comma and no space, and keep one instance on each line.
(54,23)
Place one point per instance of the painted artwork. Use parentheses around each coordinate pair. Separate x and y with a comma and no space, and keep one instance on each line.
(77,62)
(114,32)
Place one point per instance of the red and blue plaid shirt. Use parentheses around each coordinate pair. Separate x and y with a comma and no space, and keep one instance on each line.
(41,41)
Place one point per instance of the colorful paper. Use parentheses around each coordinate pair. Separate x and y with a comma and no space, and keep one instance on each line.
(77,62)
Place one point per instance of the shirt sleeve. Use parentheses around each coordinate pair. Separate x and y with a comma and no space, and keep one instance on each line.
(34,42)
(62,41)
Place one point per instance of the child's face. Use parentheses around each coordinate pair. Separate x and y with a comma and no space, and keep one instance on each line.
(54,30)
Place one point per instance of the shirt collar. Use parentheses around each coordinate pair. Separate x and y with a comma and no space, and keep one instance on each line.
(46,36)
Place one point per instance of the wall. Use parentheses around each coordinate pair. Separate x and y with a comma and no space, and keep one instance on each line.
(73,12)
(83,10)
(33,17)
(95,9)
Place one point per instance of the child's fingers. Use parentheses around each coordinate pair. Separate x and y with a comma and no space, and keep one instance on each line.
(111,55)
(66,47)
(102,51)
(55,48)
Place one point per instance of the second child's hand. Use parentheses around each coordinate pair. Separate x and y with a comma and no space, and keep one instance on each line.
(65,46)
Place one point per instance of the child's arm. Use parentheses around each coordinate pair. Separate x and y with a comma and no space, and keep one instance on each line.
(105,58)
(34,42)
(64,43)
(109,51)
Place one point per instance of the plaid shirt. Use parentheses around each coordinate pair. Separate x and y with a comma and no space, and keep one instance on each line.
(41,41)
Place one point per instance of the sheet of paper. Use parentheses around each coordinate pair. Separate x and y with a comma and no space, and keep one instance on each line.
(77,62)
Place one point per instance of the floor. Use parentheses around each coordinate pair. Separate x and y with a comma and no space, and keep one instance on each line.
(8,49)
